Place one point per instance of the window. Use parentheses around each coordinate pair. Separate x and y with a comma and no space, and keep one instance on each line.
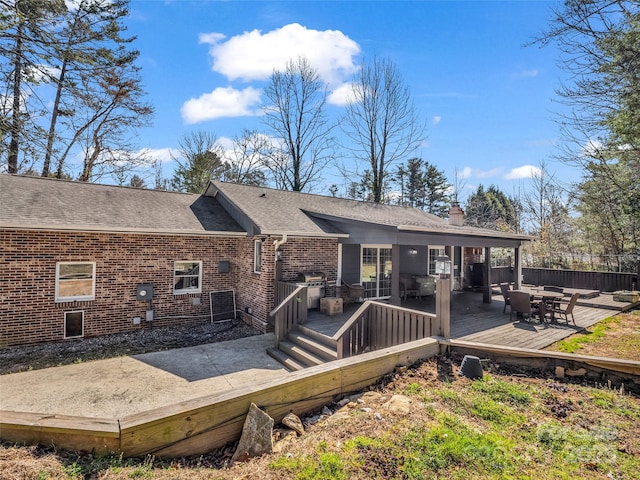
(257,256)
(187,277)
(75,281)
(73,324)
(434,253)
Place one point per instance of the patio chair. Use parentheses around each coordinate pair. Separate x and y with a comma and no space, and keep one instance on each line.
(569,310)
(521,304)
(504,289)
(553,288)
(351,293)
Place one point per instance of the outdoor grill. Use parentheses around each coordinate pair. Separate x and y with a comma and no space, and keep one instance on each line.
(316,283)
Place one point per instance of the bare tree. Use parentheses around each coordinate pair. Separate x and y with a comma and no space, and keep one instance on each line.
(381,121)
(296,115)
(247,160)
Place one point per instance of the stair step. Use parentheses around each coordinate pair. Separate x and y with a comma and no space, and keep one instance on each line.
(289,362)
(300,354)
(320,337)
(312,345)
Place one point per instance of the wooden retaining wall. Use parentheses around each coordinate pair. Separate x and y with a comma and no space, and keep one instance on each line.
(601,370)
(197,426)
(100,435)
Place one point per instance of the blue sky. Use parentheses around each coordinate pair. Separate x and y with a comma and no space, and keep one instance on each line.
(488,101)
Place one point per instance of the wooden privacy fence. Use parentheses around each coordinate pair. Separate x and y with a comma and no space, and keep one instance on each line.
(378,325)
(195,427)
(290,312)
(603,281)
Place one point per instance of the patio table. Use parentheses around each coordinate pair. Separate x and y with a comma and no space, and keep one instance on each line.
(547,301)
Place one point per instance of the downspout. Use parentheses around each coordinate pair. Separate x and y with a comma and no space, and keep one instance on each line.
(278,243)
(278,257)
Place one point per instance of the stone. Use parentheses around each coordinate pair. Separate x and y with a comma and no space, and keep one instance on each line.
(257,435)
(399,404)
(292,421)
(326,411)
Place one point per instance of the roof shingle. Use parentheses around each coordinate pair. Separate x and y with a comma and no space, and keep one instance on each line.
(43,203)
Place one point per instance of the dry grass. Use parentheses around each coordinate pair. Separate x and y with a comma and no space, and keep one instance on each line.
(615,337)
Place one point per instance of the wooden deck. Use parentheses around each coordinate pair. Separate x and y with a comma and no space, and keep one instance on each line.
(475,321)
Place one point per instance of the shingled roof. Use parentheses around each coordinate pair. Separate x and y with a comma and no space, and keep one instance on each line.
(48,204)
(268,211)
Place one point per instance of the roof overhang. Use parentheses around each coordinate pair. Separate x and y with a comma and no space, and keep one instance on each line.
(124,230)
(305,234)
(467,232)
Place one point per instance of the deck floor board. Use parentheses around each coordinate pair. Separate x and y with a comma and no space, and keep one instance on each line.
(480,322)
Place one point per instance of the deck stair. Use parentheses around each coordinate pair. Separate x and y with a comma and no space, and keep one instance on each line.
(303,348)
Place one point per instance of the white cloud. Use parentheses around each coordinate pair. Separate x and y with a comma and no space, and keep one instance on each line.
(436,119)
(468,172)
(340,95)
(526,171)
(465,173)
(162,155)
(254,55)
(526,73)
(221,102)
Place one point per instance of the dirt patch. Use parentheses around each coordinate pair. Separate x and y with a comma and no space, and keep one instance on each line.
(52,354)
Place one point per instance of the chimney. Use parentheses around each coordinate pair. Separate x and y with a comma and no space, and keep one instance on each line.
(456,214)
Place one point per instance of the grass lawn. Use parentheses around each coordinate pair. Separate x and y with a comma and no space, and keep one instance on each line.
(616,337)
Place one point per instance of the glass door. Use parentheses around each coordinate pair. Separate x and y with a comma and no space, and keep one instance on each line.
(376,271)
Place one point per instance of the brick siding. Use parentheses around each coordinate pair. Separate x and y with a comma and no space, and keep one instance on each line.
(30,314)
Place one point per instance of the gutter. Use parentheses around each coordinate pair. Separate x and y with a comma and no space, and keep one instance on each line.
(124,230)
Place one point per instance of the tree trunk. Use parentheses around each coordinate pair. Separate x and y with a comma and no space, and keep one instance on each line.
(14,145)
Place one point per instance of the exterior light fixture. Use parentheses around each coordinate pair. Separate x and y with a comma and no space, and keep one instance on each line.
(413,251)
(443,266)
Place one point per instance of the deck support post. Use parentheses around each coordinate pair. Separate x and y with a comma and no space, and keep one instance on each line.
(517,269)
(395,275)
(443,305)
(486,281)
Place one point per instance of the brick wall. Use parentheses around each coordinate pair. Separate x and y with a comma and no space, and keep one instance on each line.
(256,291)
(30,314)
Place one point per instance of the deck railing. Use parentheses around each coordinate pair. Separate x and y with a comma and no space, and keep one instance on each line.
(290,312)
(378,325)
(283,290)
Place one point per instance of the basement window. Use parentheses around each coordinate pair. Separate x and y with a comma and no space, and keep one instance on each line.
(187,277)
(74,324)
(75,281)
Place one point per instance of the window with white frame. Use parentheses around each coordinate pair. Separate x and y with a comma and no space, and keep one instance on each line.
(187,276)
(257,256)
(75,281)
(434,253)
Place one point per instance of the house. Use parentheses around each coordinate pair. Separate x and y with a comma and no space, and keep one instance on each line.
(82,260)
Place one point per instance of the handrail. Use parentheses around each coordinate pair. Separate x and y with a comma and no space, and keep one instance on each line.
(289,313)
(378,325)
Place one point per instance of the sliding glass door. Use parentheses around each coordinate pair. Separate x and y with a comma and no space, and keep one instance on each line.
(375,270)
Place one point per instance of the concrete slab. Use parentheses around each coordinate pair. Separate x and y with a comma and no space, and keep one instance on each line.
(122,386)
